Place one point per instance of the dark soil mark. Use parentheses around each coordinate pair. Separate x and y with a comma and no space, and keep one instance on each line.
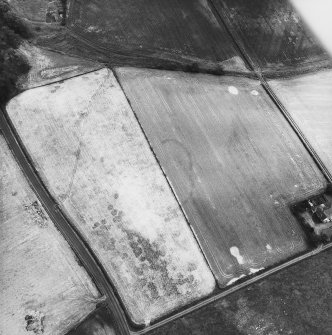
(35,322)
(37,214)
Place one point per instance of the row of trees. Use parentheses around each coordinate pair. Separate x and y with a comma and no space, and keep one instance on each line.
(12,32)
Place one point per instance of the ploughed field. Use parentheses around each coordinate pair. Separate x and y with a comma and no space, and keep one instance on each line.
(153,34)
(233,160)
(273,35)
(297,300)
(43,289)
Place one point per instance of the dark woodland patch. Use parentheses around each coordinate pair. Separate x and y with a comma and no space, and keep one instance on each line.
(12,32)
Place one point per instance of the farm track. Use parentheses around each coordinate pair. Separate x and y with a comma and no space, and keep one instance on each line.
(165,61)
(153,58)
(80,248)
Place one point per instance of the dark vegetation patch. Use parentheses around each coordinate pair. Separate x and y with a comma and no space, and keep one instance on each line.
(97,323)
(35,322)
(179,29)
(182,36)
(99,31)
(297,300)
(12,32)
(64,12)
(150,263)
(37,215)
(274,35)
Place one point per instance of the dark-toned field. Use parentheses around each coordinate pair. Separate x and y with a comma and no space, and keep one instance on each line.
(233,161)
(152,33)
(295,301)
(273,34)
(34,10)
(308,100)
(98,323)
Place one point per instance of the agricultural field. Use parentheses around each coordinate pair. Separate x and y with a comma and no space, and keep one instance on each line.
(295,301)
(38,10)
(43,290)
(153,134)
(48,67)
(91,154)
(308,100)
(234,162)
(182,32)
(274,35)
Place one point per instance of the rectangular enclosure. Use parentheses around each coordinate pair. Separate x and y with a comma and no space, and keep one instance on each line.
(233,161)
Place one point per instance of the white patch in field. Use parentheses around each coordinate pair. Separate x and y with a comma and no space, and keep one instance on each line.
(252,270)
(234,280)
(236,253)
(268,247)
(254,92)
(233,90)
(93,28)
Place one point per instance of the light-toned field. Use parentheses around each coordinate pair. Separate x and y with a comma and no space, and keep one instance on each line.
(233,160)
(308,99)
(91,153)
(48,67)
(42,287)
